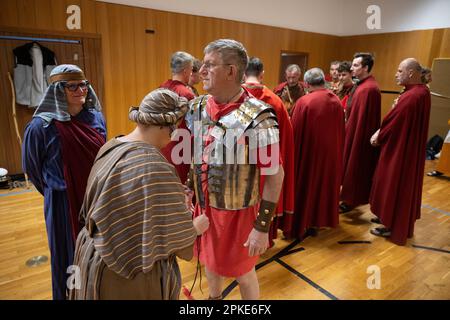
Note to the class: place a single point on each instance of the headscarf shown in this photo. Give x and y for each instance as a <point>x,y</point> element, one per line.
<point>161,107</point>
<point>54,102</point>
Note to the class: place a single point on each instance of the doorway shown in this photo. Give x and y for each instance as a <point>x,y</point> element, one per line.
<point>292,57</point>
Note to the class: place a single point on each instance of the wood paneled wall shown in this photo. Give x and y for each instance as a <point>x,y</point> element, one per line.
<point>391,48</point>
<point>135,62</point>
<point>46,14</point>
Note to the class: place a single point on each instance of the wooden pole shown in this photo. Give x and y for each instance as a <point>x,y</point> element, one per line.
<point>16,126</point>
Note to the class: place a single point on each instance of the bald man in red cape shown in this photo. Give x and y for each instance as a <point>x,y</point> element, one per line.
<point>253,83</point>
<point>397,187</point>
<point>181,65</point>
<point>363,116</point>
<point>319,130</point>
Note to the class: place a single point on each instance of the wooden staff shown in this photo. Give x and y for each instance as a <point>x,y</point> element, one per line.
<point>15,121</point>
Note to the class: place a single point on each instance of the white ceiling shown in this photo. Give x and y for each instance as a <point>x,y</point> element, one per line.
<point>335,17</point>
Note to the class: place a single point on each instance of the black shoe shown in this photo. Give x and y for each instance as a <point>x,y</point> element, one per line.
<point>313,232</point>
<point>381,232</point>
<point>343,208</point>
<point>375,220</point>
<point>434,173</point>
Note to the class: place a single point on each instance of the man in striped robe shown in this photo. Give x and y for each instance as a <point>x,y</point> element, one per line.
<point>135,213</point>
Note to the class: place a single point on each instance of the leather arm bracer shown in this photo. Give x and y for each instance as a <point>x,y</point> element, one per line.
<point>265,216</point>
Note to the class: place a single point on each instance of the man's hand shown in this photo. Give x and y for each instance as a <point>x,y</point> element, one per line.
<point>201,224</point>
<point>257,242</point>
<point>374,139</point>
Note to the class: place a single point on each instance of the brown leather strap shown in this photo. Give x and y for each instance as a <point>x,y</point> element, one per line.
<point>265,216</point>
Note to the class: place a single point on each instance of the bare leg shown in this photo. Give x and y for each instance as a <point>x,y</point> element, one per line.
<point>248,285</point>
<point>214,283</point>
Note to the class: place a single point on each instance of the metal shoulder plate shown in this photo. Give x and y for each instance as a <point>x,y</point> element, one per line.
<point>197,111</point>
<point>249,115</point>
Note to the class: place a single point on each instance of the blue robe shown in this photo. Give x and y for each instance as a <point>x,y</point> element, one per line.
<point>42,161</point>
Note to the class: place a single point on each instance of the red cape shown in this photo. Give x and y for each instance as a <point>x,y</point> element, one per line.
<point>319,130</point>
<point>360,158</point>
<point>179,88</point>
<point>397,187</point>
<point>286,200</point>
<point>182,90</point>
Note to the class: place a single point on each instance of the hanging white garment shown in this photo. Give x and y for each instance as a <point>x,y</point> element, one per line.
<point>38,82</point>
<point>31,73</point>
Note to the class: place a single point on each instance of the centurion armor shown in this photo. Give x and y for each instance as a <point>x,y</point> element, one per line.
<point>230,161</point>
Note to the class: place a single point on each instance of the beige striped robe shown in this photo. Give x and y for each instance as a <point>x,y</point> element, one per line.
<point>136,223</point>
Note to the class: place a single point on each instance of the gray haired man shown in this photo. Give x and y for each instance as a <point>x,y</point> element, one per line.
<point>228,192</point>
<point>291,90</point>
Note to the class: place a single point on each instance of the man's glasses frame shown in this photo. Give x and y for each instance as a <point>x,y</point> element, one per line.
<point>207,66</point>
<point>74,86</point>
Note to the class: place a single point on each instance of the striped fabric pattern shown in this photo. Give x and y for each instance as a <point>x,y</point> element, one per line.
<point>135,208</point>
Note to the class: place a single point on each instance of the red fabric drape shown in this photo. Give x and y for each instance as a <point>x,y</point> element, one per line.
<point>319,130</point>
<point>397,187</point>
<point>79,146</point>
<point>360,158</point>
<point>286,200</point>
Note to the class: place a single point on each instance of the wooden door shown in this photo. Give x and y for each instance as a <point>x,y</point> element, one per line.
<point>290,57</point>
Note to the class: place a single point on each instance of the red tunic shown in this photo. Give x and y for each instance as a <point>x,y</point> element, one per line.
<point>360,158</point>
<point>319,130</point>
<point>286,200</point>
<point>222,245</point>
<point>397,187</point>
<point>182,90</point>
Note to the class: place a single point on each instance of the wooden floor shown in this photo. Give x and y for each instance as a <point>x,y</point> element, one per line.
<point>318,268</point>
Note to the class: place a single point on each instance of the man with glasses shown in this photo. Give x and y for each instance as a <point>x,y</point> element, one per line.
<point>227,190</point>
<point>59,148</point>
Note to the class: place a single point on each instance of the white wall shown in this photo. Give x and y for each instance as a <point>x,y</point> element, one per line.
<point>396,15</point>
<point>335,17</point>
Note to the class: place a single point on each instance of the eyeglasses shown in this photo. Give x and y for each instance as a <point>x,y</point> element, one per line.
<point>74,86</point>
<point>208,65</point>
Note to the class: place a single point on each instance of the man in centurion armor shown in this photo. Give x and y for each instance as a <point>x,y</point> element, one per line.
<point>235,142</point>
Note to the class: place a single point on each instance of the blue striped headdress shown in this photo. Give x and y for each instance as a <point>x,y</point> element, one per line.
<point>54,103</point>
